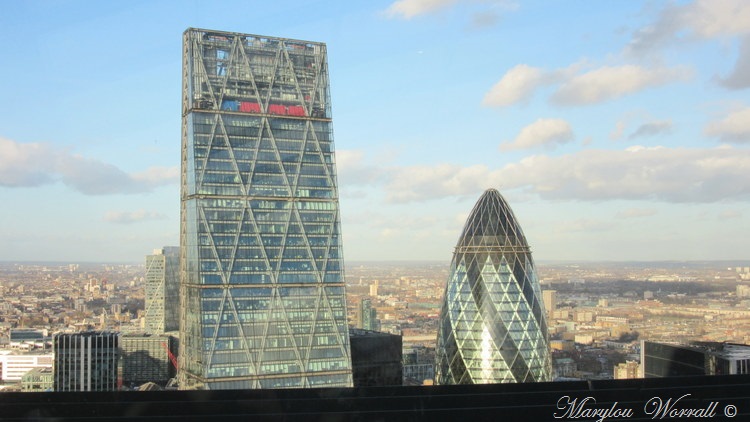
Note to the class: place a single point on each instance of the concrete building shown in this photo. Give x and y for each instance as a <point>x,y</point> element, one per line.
<point>627,370</point>
<point>38,379</point>
<point>14,364</point>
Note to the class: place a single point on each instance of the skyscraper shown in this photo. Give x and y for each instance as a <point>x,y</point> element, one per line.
<point>366,315</point>
<point>262,276</point>
<point>492,326</point>
<point>162,290</point>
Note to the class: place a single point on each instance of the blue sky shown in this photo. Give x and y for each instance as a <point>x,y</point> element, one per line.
<point>616,130</point>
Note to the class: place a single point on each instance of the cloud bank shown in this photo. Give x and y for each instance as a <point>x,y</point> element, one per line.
<point>734,128</point>
<point>576,87</point>
<point>37,164</point>
<point>543,132</point>
<point>676,175</point>
<point>408,9</point>
<point>129,217</point>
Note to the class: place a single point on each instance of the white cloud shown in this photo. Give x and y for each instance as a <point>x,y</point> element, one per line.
<point>740,76</point>
<point>662,174</point>
<point>636,213</point>
<point>701,19</point>
<point>618,130</point>
<point>517,85</point>
<point>484,19</point>
<point>486,15</point>
<point>408,9</point>
<point>715,18</point>
<point>610,82</point>
<point>543,132</point>
<point>352,169</point>
<point>129,217</point>
<point>416,183</point>
<point>24,165</point>
<point>653,128</point>
<point>605,83</point>
<point>730,214</point>
<point>583,225</point>
<point>36,164</point>
<point>733,128</point>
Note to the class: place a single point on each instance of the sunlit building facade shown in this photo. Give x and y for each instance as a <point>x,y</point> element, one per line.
<point>162,290</point>
<point>262,268</point>
<point>492,326</point>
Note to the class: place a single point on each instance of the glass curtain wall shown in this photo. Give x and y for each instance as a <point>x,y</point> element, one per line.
<point>492,326</point>
<point>263,286</point>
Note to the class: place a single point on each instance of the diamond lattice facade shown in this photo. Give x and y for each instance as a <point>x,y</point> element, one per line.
<point>492,326</point>
<point>262,285</point>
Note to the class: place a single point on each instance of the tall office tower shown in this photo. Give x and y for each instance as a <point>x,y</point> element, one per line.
<point>86,361</point>
<point>366,315</point>
<point>162,290</point>
<point>263,294</point>
<point>492,326</point>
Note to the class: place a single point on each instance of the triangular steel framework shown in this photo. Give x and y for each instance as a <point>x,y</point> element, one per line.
<point>492,326</point>
<point>262,265</point>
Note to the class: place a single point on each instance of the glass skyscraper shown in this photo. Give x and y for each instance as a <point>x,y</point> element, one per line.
<point>263,300</point>
<point>492,326</point>
<point>162,287</point>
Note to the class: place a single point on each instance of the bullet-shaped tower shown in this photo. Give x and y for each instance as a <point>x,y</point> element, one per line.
<point>492,325</point>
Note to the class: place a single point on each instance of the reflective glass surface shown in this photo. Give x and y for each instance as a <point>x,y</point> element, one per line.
<point>263,285</point>
<point>492,325</point>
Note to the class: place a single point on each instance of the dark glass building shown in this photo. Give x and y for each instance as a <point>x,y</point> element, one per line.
<point>696,358</point>
<point>86,361</point>
<point>492,326</point>
<point>262,269</point>
<point>376,358</point>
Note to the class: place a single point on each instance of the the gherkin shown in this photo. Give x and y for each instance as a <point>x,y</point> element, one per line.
<point>492,325</point>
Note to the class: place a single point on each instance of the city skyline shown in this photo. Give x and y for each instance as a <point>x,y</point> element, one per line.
<point>622,138</point>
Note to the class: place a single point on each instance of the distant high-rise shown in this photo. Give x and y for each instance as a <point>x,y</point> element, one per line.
<point>86,361</point>
<point>549,297</point>
<point>492,326</point>
<point>262,287</point>
<point>162,290</point>
<point>366,315</point>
